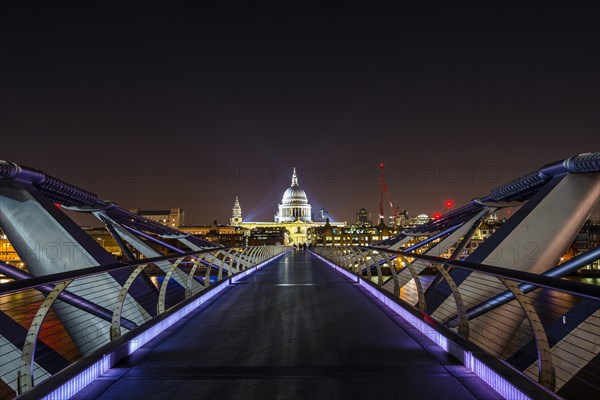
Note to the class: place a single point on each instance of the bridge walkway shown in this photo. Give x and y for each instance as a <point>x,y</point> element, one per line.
<point>295,329</point>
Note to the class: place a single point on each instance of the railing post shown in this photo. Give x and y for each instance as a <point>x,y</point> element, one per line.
<point>115,326</point>
<point>463,321</point>
<point>25,374</point>
<point>252,255</point>
<point>395,280</point>
<point>160,306</point>
<point>546,371</point>
<point>188,287</point>
<point>418,284</point>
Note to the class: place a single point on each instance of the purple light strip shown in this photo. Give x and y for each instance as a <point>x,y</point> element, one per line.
<point>69,388</point>
<point>496,382</point>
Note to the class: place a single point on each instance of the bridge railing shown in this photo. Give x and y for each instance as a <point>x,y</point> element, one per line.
<point>546,328</point>
<point>51,322</point>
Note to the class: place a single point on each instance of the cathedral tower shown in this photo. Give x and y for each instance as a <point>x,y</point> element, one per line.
<point>236,213</point>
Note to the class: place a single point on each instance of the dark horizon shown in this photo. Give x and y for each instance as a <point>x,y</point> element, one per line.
<point>188,105</point>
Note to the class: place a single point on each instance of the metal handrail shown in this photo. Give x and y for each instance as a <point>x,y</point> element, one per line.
<point>580,289</point>
<point>493,370</point>
<point>87,333</point>
<point>32,283</point>
<point>545,331</point>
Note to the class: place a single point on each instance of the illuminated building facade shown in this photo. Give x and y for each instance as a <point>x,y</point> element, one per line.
<point>7,251</point>
<point>418,220</point>
<point>293,215</point>
<point>354,235</point>
<point>175,217</point>
<point>362,217</point>
<point>267,236</point>
<point>587,239</point>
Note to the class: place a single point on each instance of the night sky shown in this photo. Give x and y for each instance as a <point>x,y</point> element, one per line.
<point>166,104</point>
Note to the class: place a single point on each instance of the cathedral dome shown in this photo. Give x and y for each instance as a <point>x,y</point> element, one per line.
<point>294,204</point>
<point>294,195</point>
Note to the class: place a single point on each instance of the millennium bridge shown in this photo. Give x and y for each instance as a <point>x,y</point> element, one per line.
<point>276,322</point>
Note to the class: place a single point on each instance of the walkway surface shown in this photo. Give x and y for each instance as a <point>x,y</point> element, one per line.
<point>295,329</point>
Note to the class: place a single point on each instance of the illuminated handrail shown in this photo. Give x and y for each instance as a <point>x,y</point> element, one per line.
<point>81,333</point>
<point>576,288</point>
<point>34,282</point>
<point>562,317</point>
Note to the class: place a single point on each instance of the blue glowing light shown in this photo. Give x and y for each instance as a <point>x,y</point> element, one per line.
<point>488,375</point>
<point>69,388</point>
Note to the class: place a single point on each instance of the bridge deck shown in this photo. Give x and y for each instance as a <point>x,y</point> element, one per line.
<point>294,329</point>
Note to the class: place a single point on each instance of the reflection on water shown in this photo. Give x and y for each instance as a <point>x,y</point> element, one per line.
<point>582,279</point>
<point>157,280</point>
<point>22,307</point>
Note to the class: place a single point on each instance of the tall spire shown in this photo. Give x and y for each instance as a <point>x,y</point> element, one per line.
<point>294,178</point>
<point>236,213</point>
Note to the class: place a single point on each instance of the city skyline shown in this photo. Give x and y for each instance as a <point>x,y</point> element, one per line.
<point>266,207</point>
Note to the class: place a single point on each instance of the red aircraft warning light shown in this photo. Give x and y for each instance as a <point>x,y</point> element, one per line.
<point>449,204</point>
<point>437,216</point>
